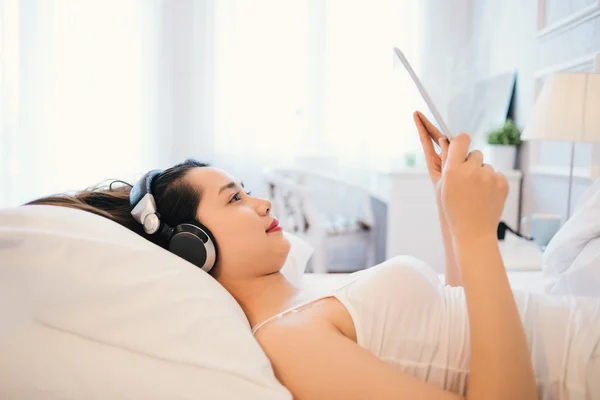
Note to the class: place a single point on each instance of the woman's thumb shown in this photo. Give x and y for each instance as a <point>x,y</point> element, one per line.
<point>443,142</point>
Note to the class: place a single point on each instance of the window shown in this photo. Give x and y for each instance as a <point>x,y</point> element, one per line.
<point>315,78</point>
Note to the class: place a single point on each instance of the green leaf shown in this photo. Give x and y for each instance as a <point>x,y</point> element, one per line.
<point>508,134</point>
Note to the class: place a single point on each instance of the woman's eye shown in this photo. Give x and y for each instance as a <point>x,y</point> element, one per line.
<point>236,197</point>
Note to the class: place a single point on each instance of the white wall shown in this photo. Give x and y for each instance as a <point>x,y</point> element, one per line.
<point>465,40</point>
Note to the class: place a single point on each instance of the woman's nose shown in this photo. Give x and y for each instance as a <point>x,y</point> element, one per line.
<point>264,207</point>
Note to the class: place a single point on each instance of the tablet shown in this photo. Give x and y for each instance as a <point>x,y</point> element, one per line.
<point>436,115</point>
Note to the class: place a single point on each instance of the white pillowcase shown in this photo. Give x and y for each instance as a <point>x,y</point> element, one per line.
<point>295,265</point>
<point>572,258</point>
<point>92,310</point>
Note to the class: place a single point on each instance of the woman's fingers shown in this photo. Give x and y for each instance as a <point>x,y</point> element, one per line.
<point>433,131</point>
<point>502,183</point>
<point>489,167</point>
<point>458,150</point>
<point>424,136</point>
<point>476,158</point>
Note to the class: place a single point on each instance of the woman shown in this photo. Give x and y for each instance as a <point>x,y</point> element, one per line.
<point>394,332</point>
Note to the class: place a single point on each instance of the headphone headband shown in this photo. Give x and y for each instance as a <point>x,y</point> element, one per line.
<point>142,187</point>
<point>142,202</point>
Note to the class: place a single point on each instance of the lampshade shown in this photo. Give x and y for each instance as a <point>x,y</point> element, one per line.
<point>567,109</point>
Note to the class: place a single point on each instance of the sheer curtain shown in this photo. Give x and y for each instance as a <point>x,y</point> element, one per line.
<point>262,85</point>
<point>314,78</point>
<point>9,98</point>
<point>99,89</point>
<point>368,100</point>
<point>73,103</point>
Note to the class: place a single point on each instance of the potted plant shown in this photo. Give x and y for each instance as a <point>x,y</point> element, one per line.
<point>502,145</point>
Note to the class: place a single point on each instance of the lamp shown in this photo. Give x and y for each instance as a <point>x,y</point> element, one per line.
<point>567,109</point>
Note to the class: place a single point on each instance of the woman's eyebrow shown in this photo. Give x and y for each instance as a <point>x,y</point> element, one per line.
<point>230,185</point>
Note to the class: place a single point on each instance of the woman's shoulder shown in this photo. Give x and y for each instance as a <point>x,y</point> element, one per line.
<point>324,314</point>
<point>296,326</point>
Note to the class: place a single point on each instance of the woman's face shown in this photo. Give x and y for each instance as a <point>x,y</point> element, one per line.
<point>240,224</point>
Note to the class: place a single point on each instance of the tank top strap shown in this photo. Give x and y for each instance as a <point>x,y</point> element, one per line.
<point>289,310</point>
<point>331,292</point>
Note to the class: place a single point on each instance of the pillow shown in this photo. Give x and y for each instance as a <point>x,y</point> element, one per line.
<point>582,278</point>
<point>570,257</point>
<point>591,190</point>
<point>295,265</point>
<point>89,309</point>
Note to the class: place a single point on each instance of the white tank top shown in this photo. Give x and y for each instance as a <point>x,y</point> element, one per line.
<point>404,315</point>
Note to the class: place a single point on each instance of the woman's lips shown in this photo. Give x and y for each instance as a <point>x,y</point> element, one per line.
<point>274,227</point>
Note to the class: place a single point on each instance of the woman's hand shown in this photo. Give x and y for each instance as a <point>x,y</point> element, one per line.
<point>428,133</point>
<point>472,193</point>
<point>435,164</point>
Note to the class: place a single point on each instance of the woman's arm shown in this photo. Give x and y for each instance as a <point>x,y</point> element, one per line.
<point>473,197</point>
<point>319,362</point>
<point>500,361</point>
<point>452,274</point>
<point>435,162</point>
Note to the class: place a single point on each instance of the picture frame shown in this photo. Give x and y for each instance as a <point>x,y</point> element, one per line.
<point>568,22</point>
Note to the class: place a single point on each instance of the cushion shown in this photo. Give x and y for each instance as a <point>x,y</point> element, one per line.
<point>92,310</point>
<point>582,278</point>
<point>571,258</point>
<point>295,265</point>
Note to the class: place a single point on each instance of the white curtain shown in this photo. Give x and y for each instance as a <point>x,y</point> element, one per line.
<point>9,99</point>
<point>99,89</point>
<point>366,110</point>
<point>315,78</point>
<point>77,114</point>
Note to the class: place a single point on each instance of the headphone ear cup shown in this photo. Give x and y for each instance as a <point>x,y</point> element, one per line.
<point>151,224</point>
<point>194,243</point>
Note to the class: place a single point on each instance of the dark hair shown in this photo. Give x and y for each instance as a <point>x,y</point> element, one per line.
<point>176,200</point>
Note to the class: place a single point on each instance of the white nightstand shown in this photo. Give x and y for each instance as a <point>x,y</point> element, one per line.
<point>523,262</point>
<point>412,220</point>
<point>520,254</point>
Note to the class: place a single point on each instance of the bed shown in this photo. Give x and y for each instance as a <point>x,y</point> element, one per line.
<point>91,310</point>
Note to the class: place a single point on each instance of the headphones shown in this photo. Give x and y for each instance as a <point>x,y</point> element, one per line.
<point>191,241</point>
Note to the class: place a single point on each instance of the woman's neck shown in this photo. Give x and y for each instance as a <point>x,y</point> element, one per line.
<point>265,296</point>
